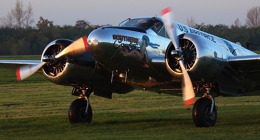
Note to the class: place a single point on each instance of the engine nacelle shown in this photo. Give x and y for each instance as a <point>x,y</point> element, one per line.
<point>67,71</point>
<point>200,58</point>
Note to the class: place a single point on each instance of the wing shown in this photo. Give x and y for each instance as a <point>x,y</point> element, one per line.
<point>245,64</point>
<point>17,63</point>
<point>249,68</point>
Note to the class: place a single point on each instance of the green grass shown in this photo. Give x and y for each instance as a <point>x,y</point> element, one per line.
<point>258,52</point>
<point>37,109</point>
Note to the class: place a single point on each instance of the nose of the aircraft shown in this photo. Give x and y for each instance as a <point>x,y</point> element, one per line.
<point>100,44</point>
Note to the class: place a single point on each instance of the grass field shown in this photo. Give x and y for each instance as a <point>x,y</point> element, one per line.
<point>37,109</point>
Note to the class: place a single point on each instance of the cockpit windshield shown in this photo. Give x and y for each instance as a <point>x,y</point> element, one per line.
<point>144,23</point>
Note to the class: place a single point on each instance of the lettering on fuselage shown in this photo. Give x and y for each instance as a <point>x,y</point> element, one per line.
<point>122,41</point>
<point>121,38</point>
<point>134,47</point>
<point>197,32</point>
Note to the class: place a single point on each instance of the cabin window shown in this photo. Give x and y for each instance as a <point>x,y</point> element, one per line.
<point>230,47</point>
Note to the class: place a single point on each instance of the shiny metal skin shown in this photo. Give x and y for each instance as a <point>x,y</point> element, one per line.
<point>118,50</point>
<point>133,50</point>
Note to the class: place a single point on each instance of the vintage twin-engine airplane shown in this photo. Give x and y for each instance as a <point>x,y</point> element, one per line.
<point>153,53</point>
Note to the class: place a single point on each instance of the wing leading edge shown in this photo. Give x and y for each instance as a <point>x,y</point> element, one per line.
<point>17,63</point>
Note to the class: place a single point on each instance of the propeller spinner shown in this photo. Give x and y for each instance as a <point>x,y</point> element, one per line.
<point>170,26</point>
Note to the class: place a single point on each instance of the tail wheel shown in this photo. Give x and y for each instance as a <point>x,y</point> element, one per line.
<point>77,111</point>
<point>201,114</point>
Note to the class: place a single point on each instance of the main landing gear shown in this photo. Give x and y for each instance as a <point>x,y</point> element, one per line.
<point>80,109</point>
<point>204,111</point>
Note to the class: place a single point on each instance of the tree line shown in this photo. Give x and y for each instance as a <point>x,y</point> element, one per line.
<point>24,41</point>
<point>19,37</point>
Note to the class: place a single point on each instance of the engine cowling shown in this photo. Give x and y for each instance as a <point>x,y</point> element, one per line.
<point>189,51</point>
<point>203,58</point>
<point>67,71</point>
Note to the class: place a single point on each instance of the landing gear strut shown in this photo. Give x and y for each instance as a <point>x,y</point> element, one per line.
<point>204,111</point>
<point>80,109</point>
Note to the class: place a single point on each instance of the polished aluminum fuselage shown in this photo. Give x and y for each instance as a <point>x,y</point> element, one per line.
<point>109,47</point>
<point>114,44</point>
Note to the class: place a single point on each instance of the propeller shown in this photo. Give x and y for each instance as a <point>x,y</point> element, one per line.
<point>77,47</point>
<point>27,70</point>
<point>74,48</point>
<point>170,26</point>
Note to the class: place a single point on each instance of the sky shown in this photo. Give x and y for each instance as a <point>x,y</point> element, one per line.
<point>102,12</point>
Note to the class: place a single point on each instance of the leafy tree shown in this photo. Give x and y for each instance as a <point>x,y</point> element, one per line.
<point>44,23</point>
<point>82,24</point>
<point>24,41</point>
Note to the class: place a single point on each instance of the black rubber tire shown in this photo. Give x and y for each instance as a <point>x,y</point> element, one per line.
<point>77,113</point>
<point>201,113</point>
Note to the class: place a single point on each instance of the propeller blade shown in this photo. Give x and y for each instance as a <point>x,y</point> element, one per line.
<point>78,46</point>
<point>187,87</point>
<point>170,27</point>
<point>27,70</point>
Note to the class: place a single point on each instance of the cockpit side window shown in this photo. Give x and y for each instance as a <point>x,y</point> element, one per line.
<point>159,29</point>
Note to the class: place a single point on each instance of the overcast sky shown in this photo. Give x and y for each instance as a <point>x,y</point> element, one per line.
<point>101,12</point>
